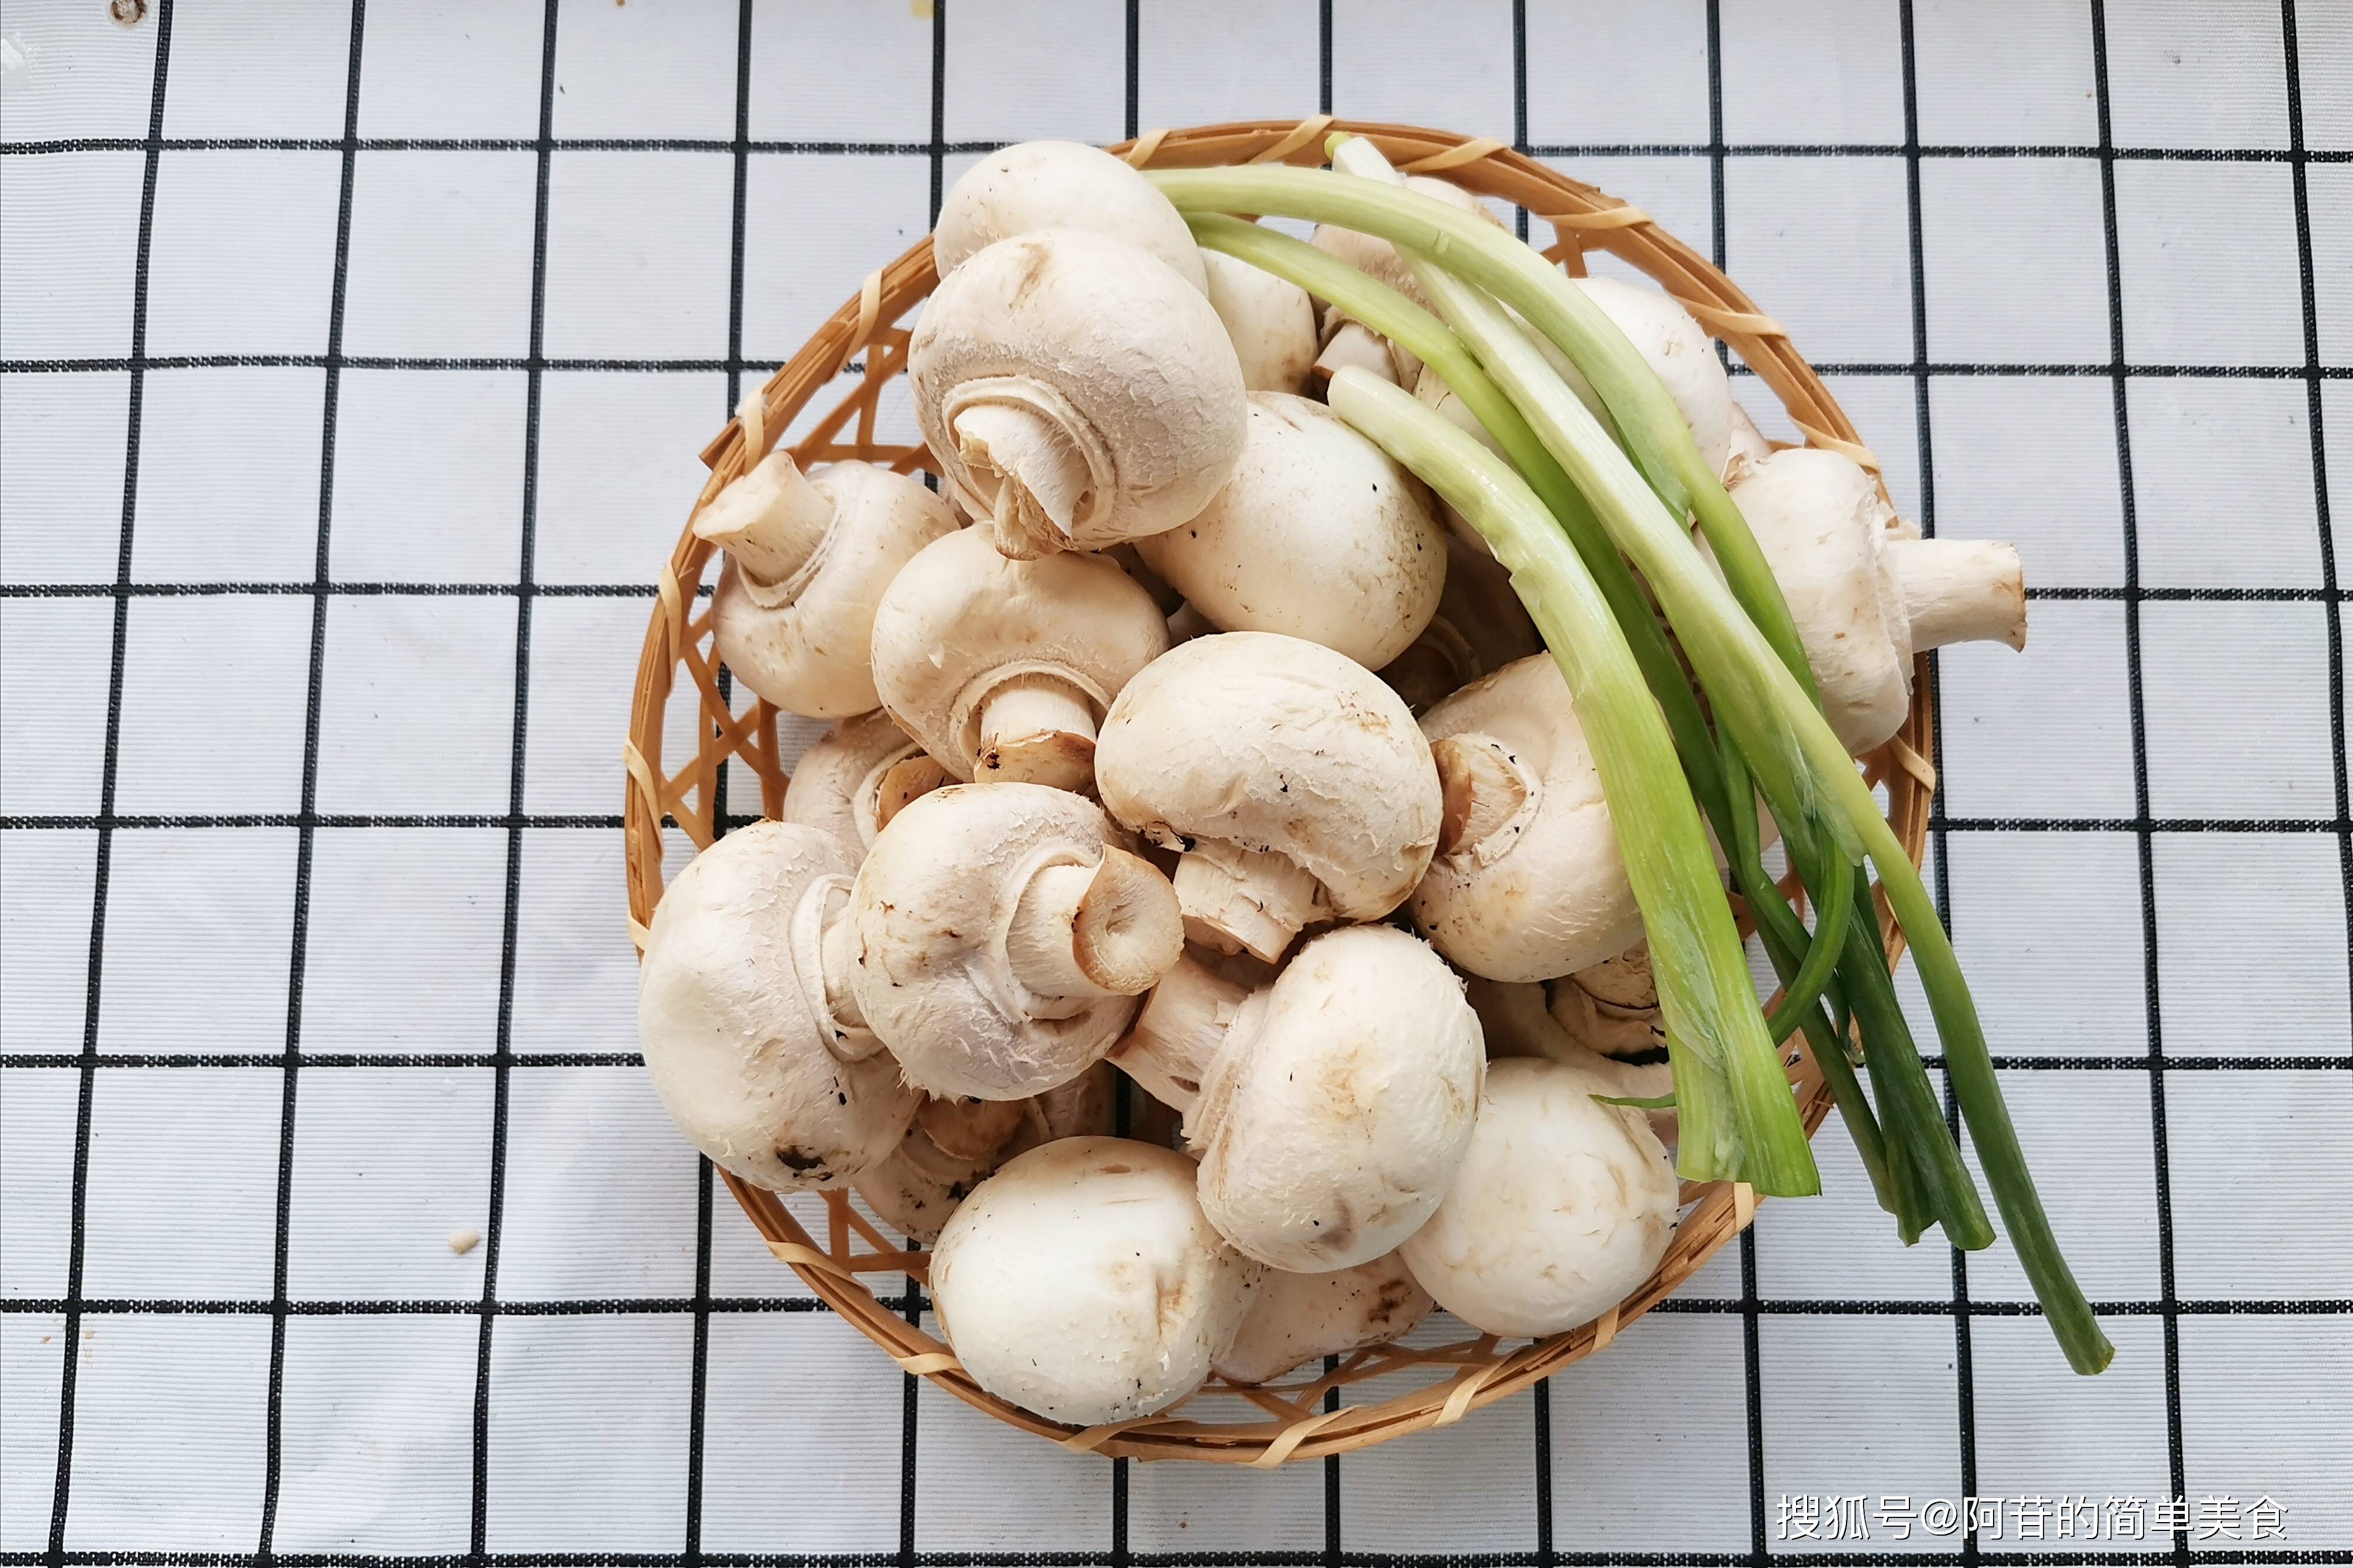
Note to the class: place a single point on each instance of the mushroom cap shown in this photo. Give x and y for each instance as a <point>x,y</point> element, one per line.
<point>833,785</point>
<point>731,1017</point>
<point>1080,1282</point>
<point>933,901</point>
<point>1119,355</point>
<point>1270,321</point>
<point>1033,185</point>
<point>1561,1207</point>
<point>1332,1118</point>
<point>1276,744</point>
<point>1677,346</point>
<point>960,619</point>
<point>803,645</point>
<point>1824,527</point>
<point>1298,1318</point>
<point>1319,534</point>
<point>921,1184</point>
<point>1545,891</point>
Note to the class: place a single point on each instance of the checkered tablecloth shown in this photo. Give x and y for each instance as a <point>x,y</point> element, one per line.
<point>356,362</point>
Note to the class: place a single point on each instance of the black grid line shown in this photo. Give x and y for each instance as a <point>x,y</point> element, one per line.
<point>501,1095</point>
<point>89,365</point>
<point>1540,1404</point>
<point>62,1496</point>
<point>699,1370</point>
<point>1132,71</point>
<point>609,1306</point>
<point>2314,1062</point>
<point>1334,1521</point>
<point>273,1420</point>
<point>1214,1559</point>
<point>1923,425</point>
<point>910,1388</point>
<point>1752,1349</point>
<point>1750,1307</point>
<point>2137,709</point>
<point>2300,194</point>
<point>1711,149</point>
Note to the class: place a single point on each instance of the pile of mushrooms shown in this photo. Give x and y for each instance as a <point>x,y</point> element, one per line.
<point>1064,849</point>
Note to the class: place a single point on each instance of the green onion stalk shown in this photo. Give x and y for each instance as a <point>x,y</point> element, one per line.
<point>1386,311</point>
<point>1746,654</point>
<point>1732,1106</point>
<point>1936,1176</point>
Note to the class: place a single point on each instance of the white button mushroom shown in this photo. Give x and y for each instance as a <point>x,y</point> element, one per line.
<point>855,777</point>
<point>764,1066</point>
<point>1270,321</point>
<point>807,559</point>
<point>1481,626</point>
<point>1002,667</point>
<point>1561,1208</point>
<point>1033,185</point>
<point>1319,534</point>
<point>1611,1008</point>
<point>1518,1022</point>
<point>1298,1318</point>
<point>1075,391</point>
<point>1081,1282</point>
<point>1675,346</point>
<point>1002,936</point>
<point>1745,447</point>
<point>1329,1107</point>
<point>1294,783</point>
<point>1528,881</point>
<point>1865,597</point>
<point>954,1144</point>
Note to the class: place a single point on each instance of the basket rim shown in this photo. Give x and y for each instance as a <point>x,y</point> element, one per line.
<point>1583,218</point>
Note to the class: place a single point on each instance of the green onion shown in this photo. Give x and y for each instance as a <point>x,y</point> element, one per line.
<point>1390,313</point>
<point>1739,638</point>
<point>1716,1039</point>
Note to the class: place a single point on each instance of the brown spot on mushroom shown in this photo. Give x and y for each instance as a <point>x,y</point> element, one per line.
<point>1388,1301</point>
<point>793,1157</point>
<point>1036,258</point>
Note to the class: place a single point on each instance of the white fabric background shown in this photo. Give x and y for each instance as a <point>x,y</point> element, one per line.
<point>2166,760</point>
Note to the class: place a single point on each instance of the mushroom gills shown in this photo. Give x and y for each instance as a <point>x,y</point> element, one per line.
<point>1245,900</point>
<point>1037,729</point>
<point>1034,476</point>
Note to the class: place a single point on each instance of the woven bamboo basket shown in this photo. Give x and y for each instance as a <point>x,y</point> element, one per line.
<point>837,1250</point>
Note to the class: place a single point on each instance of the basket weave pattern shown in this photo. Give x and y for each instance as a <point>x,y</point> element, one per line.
<point>1264,1426</point>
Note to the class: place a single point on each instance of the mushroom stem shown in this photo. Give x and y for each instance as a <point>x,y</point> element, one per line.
<point>1034,475</point>
<point>1184,1023</point>
<point>839,955</point>
<point>1482,788</point>
<point>1238,899</point>
<point>771,520</point>
<point>902,782</point>
<point>1960,590</point>
<point>1439,663</point>
<point>1106,929</point>
<point>1355,343</point>
<point>970,1129</point>
<point>1037,729</point>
